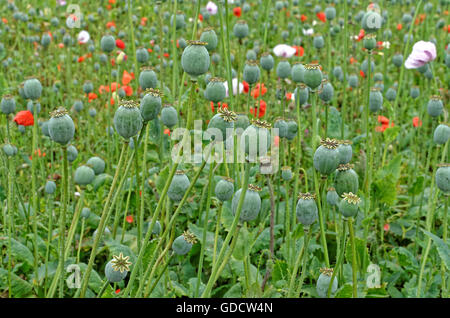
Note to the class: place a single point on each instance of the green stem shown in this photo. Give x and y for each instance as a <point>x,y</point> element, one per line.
<point>298,261</point>
<point>354,264</point>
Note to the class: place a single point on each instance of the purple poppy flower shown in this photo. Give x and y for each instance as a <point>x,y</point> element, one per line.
<point>422,53</point>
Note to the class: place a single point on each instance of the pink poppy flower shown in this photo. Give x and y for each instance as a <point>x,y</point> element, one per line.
<point>83,37</point>
<point>284,50</point>
<point>422,53</point>
<point>211,7</point>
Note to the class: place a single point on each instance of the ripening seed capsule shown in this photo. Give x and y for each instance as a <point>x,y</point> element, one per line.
<point>78,106</point>
<point>8,104</point>
<point>61,127</point>
<point>215,58</point>
<point>210,37</point>
<point>50,187</point>
<point>338,73</point>
<point>306,209</point>
<point>330,13</point>
<point>178,186</point>
<point>9,150</point>
<point>92,112</point>
<point>85,213</point>
<point>349,205</point>
<point>313,76</point>
<point>195,59</point>
<point>97,164</point>
<point>255,140</point>
<point>282,126</point>
<point>332,197</point>
<point>397,59</point>
<point>318,42</point>
<point>215,90</point>
<point>353,81</point>
<point>283,69</point>
<point>292,129</point>
<point>346,179</point>
<point>345,151</point>
<point>301,94</point>
<point>147,78</point>
<point>369,42</point>
<point>240,29</point>
<point>326,157</point>
<point>371,21</point>
<point>327,92</point>
<point>151,105</point>
<point>251,55</point>
<point>324,280</point>
<point>375,100</point>
<point>391,94</point>
<point>32,88</point>
<point>169,116</point>
<point>286,173</point>
<point>224,189</point>
<point>435,107</point>
<point>88,87</point>
<point>84,175</point>
<point>107,43</point>
<point>180,22</point>
<point>441,134</point>
<point>251,205</point>
<point>298,73</point>
<point>72,153</point>
<point>127,119</point>
<point>223,120</point>
<point>183,243</point>
<point>142,55</point>
<point>267,62</point>
<point>156,228</point>
<point>365,66</point>
<point>414,92</point>
<point>241,123</point>
<point>443,177</point>
<point>251,72</point>
<point>112,275</point>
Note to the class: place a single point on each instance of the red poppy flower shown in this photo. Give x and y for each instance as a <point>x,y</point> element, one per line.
<point>92,96</point>
<point>385,123</point>
<point>322,17</point>
<point>353,60</point>
<point>261,109</point>
<point>144,21</point>
<point>303,18</point>
<point>200,17</point>
<point>167,131</point>
<point>361,35</point>
<point>246,87</point>
<point>288,96</point>
<point>114,86</point>
<point>299,50</point>
<point>120,44</point>
<point>129,219</point>
<point>276,141</point>
<point>362,74</point>
<point>257,90</point>
<point>117,290</point>
<point>24,118</point>
<point>416,122</point>
<point>128,90</point>
<point>399,27</point>
<point>110,24</point>
<point>237,11</point>
<point>126,78</point>
<point>386,227</point>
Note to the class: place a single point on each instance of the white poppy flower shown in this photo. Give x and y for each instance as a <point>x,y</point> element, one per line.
<point>83,36</point>
<point>284,50</point>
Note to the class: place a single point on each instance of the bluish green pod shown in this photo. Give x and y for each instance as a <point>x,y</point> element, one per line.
<point>332,197</point>
<point>8,104</point>
<point>215,90</point>
<point>84,175</point>
<point>267,62</point>
<point>251,72</point>
<point>183,243</point>
<point>61,127</point>
<point>301,94</point>
<point>32,88</point>
<point>107,43</point>
<point>327,91</point>
<point>127,119</point>
<point>240,29</point>
<point>178,186</point>
<point>282,126</point>
<point>210,37</point>
<point>346,180</point>
<point>306,209</point>
<point>223,121</point>
<point>441,134</point>
<point>97,164</point>
<point>251,205</point>
<point>169,116</point>
<point>112,275</point>
<point>313,76</point>
<point>349,205</point>
<point>72,153</point>
<point>326,157</point>
<point>298,73</point>
<point>147,78</point>
<point>195,59</point>
<point>283,69</point>
<point>151,105</point>
<point>375,100</point>
<point>443,177</point>
<point>435,107</point>
<point>224,189</point>
<point>50,187</point>
<point>323,283</point>
<point>255,140</point>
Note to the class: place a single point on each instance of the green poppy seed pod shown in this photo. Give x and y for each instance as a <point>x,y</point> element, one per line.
<point>8,104</point>
<point>349,205</point>
<point>182,43</point>
<point>353,81</point>
<point>397,59</point>
<point>370,42</point>
<point>178,186</point>
<point>32,88</point>
<point>365,66</point>
<point>97,164</point>
<point>44,129</point>
<point>78,106</point>
<point>251,55</point>
<point>142,55</point>
<point>407,18</point>
<point>210,37</point>
<point>326,157</point>
<point>327,91</point>
<point>72,153</point>
<point>45,40</point>
<point>251,72</point>
<point>112,275</point>
<point>92,112</point>
<point>215,58</point>
<point>298,73</point>
<point>255,140</point>
<point>128,120</point>
<point>215,90</point>
<point>313,76</point>
<point>224,189</point>
<point>306,209</point>
<point>21,128</point>
<point>286,173</point>
<point>85,213</point>
<point>240,29</point>
<point>147,78</point>
<point>301,94</point>
<point>107,43</point>
<point>251,205</point>
<point>318,42</point>
<point>223,120</point>
<point>447,60</point>
<point>282,126</point>
<point>332,197</point>
<point>61,127</point>
<point>441,134</point>
<point>267,62</point>
<point>345,151</point>
<point>375,100</point>
<point>84,175</point>
<point>151,104</point>
<point>88,87</point>
<point>241,123</point>
<point>156,228</point>
<point>180,22</point>
<point>324,280</point>
<point>443,177</point>
<point>435,107</point>
<point>292,129</point>
<point>414,92</point>
<point>195,59</point>
<point>391,94</point>
<point>283,69</point>
<point>9,150</point>
<point>330,13</point>
<point>183,243</point>
<point>279,5</point>
<point>346,179</point>
<point>371,21</point>
<point>50,187</point>
<point>338,73</point>
<point>169,116</point>
<point>387,34</point>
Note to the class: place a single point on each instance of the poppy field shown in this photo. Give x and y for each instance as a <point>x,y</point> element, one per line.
<point>226,148</point>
